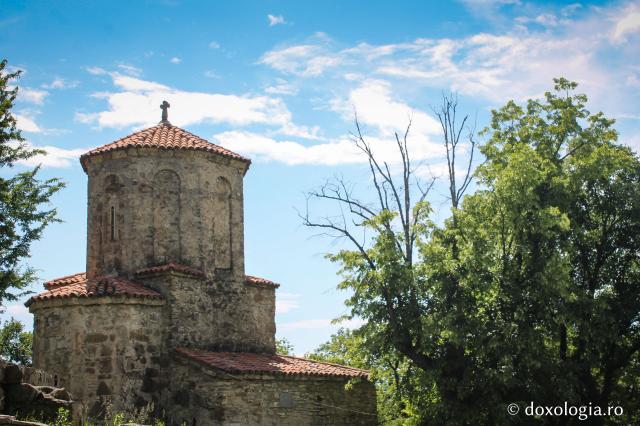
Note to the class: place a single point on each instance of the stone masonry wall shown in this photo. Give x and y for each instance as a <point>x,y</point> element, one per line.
<point>201,396</point>
<point>212,314</point>
<point>148,207</point>
<point>102,349</point>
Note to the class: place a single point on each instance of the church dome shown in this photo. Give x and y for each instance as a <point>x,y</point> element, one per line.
<point>163,136</point>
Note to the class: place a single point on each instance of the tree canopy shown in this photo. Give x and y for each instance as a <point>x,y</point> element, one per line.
<point>529,292</point>
<point>15,343</point>
<point>24,198</point>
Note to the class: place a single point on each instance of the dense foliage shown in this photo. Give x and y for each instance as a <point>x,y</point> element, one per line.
<point>23,197</point>
<point>15,343</point>
<point>529,292</point>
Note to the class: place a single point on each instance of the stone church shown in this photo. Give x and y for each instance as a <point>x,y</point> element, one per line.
<point>165,315</point>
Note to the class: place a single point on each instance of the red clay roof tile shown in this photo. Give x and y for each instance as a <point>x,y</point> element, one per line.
<point>78,286</point>
<point>249,279</point>
<point>244,362</point>
<point>69,279</point>
<point>163,136</point>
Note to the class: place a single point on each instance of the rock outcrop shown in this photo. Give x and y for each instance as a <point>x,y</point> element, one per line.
<point>27,391</point>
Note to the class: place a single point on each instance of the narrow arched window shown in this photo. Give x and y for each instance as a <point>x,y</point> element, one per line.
<point>113,196</point>
<point>112,221</point>
<point>222,224</point>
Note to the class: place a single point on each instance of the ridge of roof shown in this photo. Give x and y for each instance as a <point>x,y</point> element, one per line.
<point>162,136</point>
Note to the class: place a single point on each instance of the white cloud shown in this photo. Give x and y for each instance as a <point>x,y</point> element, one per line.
<point>27,123</point>
<point>130,69</point>
<point>275,20</point>
<point>96,70</point>
<point>175,60</point>
<point>317,324</point>
<point>282,87</point>
<point>341,151</point>
<point>303,60</point>
<point>60,83</point>
<point>292,153</point>
<point>287,302</point>
<point>214,45</point>
<point>374,104</point>
<point>136,103</point>
<point>627,23</point>
<point>516,64</point>
<point>54,157</point>
<point>33,96</point>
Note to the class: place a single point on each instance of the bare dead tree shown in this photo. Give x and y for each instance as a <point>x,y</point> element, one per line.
<point>392,195</point>
<point>396,206</point>
<point>452,131</point>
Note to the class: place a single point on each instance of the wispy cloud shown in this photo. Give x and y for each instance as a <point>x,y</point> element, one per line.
<point>96,70</point>
<point>175,60</point>
<point>275,20</point>
<point>282,87</point>
<point>305,60</point>
<point>60,83</point>
<point>54,157</point>
<point>130,69</point>
<point>287,302</point>
<point>33,96</point>
<point>626,24</point>
<point>265,148</point>
<point>214,45</point>
<point>26,123</point>
<point>598,48</point>
<point>341,151</point>
<point>135,103</point>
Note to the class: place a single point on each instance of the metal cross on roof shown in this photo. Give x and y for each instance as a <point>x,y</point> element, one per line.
<point>165,114</point>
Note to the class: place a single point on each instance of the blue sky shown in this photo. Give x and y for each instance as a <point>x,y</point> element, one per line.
<point>278,81</point>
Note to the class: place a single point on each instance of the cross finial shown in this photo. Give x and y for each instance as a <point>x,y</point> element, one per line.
<point>165,115</point>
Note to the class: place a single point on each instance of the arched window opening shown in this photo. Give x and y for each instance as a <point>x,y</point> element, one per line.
<point>112,223</point>
<point>222,224</point>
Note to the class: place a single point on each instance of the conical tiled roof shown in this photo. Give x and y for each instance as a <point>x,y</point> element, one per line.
<point>163,136</point>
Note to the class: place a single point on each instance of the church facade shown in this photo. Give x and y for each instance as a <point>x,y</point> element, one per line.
<point>164,315</point>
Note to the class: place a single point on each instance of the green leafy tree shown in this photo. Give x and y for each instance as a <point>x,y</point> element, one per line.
<point>23,197</point>
<point>284,347</point>
<point>15,343</point>
<point>530,291</point>
<point>396,385</point>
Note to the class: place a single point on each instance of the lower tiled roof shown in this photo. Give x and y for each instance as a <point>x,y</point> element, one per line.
<point>249,279</point>
<point>78,286</point>
<point>245,362</point>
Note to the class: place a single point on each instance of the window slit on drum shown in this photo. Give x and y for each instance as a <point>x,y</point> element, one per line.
<point>222,224</point>
<point>113,223</point>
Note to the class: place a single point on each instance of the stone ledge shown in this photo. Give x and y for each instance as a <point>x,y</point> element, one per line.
<point>89,301</point>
